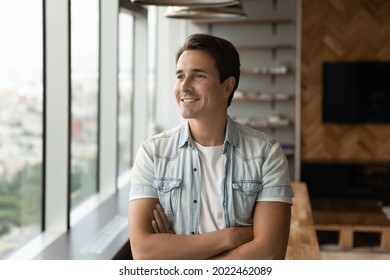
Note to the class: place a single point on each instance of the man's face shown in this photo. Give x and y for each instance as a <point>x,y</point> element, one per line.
<point>198,90</point>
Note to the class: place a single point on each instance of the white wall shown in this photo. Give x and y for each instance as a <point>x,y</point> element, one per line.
<point>171,35</point>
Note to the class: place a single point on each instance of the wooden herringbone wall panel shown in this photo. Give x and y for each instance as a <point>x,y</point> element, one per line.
<point>345,30</point>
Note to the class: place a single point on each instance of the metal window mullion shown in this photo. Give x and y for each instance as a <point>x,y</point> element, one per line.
<point>140,117</point>
<point>108,110</point>
<point>57,131</point>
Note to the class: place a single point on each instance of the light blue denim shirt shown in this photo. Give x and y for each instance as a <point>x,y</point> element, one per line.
<point>167,167</point>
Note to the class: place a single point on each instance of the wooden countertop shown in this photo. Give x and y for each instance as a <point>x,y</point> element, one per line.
<point>303,243</point>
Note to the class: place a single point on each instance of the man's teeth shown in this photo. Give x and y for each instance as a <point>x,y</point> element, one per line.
<point>188,99</point>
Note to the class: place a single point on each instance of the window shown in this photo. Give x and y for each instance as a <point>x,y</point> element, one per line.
<point>84,98</point>
<point>54,81</point>
<point>21,122</point>
<point>125,90</point>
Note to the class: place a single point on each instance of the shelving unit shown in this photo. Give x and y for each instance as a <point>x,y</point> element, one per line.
<point>245,21</point>
<point>264,98</point>
<point>267,97</point>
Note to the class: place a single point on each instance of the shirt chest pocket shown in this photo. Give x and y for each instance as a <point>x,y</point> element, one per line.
<point>168,194</point>
<point>244,196</point>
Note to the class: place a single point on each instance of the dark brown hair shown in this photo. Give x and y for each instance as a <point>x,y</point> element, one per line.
<point>224,53</point>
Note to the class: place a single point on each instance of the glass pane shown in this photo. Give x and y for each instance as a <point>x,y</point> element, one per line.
<point>84,103</point>
<point>125,82</point>
<point>21,122</point>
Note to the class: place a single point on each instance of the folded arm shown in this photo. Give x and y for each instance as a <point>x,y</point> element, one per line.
<point>271,228</point>
<point>146,244</point>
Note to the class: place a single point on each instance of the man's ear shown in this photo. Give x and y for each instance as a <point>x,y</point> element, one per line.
<point>229,85</point>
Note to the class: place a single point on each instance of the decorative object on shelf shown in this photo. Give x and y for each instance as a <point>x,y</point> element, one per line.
<point>259,122</point>
<point>282,96</point>
<point>278,120</point>
<point>252,94</point>
<point>282,69</point>
<point>226,12</point>
<point>260,70</point>
<point>192,3</point>
<point>261,96</point>
<point>239,94</point>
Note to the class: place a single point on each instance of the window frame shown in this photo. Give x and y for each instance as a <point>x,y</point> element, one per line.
<point>39,225</point>
<point>58,220</point>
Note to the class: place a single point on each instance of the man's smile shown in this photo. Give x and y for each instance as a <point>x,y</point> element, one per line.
<point>189,100</point>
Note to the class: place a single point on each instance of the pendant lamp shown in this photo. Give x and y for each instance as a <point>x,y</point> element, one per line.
<point>228,12</point>
<point>189,3</point>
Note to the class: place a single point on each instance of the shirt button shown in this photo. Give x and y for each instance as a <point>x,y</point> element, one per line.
<point>195,169</point>
<point>192,232</point>
<point>195,201</point>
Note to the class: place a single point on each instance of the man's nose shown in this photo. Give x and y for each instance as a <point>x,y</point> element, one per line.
<point>186,85</point>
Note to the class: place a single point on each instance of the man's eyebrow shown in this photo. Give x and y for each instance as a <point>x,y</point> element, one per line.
<point>199,70</point>
<point>195,70</point>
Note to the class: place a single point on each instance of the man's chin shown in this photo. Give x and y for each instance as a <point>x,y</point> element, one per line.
<point>188,115</point>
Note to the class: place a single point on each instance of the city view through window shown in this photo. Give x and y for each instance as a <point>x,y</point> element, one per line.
<point>84,98</point>
<point>125,90</point>
<point>21,122</point>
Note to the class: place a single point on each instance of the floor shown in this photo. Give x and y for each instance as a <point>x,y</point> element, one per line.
<point>355,254</point>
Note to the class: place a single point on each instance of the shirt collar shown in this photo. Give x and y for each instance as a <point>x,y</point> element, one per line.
<point>185,136</point>
<point>231,136</point>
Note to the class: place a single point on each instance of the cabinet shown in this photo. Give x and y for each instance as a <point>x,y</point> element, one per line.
<point>268,95</point>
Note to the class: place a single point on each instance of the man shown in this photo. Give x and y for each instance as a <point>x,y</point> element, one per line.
<point>210,188</point>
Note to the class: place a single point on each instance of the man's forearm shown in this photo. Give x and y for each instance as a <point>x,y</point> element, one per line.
<point>145,221</point>
<point>172,246</point>
<point>271,233</point>
<point>251,251</point>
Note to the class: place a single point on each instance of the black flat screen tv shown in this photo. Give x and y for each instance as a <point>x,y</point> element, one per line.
<point>356,92</point>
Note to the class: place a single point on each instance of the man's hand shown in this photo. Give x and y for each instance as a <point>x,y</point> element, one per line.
<point>160,223</point>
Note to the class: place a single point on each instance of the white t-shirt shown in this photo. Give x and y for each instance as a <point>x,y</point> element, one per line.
<point>211,216</point>
<point>211,209</point>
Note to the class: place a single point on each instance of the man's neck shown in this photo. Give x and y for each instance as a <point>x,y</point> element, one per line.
<point>208,133</point>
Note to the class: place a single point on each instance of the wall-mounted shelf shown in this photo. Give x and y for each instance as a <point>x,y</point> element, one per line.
<point>245,21</point>
<point>266,122</point>
<point>265,73</point>
<point>264,47</point>
<point>273,73</point>
<point>272,22</point>
<point>259,127</point>
<point>273,48</point>
<point>259,97</point>
<point>289,150</point>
